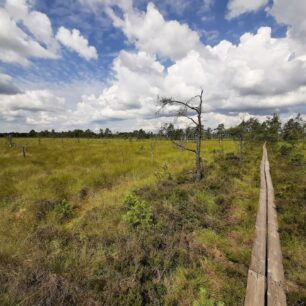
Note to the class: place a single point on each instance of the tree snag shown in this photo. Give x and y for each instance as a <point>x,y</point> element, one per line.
<point>190,109</point>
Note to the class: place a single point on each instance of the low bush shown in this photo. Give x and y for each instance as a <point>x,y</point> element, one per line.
<point>64,210</point>
<point>137,212</point>
<point>285,149</point>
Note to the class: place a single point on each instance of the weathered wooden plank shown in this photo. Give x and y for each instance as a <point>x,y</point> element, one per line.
<point>265,284</point>
<point>275,294</point>
<point>255,292</point>
<point>275,272</point>
<point>255,289</point>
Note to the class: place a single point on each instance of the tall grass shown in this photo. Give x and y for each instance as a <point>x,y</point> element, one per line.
<point>64,240</point>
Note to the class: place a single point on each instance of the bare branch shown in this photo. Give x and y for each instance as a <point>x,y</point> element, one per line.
<point>192,120</point>
<point>170,101</point>
<point>183,147</point>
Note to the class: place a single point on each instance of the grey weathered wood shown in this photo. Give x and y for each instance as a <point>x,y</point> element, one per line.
<point>275,273</point>
<point>255,292</point>
<point>265,285</point>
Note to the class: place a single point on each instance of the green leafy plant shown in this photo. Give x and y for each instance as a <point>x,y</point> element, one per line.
<point>205,300</point>
<point>64,210</point>
<point>138,213</point>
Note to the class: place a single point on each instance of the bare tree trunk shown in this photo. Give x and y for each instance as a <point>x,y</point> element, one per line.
<point>199,171</point>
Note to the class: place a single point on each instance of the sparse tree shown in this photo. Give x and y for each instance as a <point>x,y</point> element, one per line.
<point>32,133</point>
<point>108,132</point>
<point>189,109</point>
<point>294,129</point>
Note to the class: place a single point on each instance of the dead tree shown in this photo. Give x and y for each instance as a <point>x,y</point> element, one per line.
<point>10,141</point>
<point>190,109</point>
<point>24,152</point>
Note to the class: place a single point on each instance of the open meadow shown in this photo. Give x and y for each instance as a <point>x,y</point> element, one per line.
<point>68,236</point>
<point>122,222</point>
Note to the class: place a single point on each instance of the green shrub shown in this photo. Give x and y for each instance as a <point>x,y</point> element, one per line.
<point>285,149</point>
<point>231,156</point>
<point>297,159</point>
<point>64,210</point>
<point>138,213</point>
<point>205,300</point>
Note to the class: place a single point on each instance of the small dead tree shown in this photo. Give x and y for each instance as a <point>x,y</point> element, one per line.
<point>189,109</point>
<point>10,141</point>
<point>24,152</point>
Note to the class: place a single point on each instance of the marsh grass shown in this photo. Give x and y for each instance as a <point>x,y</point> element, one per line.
<point>289,178</point>
<point>65,241</point>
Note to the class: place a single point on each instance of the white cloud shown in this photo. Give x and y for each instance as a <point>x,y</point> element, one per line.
<point>239,7</point>
<point>292,14</point>
<point>27,33</point>
<point>233,81</point>
<point>151,33</point>
<point>75,41</point>
<point>36,22</point>
<point>138,81</point>
<point>6,85</point>
<point>257,76</point>
<point>16,46</point>
<point>39,107</point>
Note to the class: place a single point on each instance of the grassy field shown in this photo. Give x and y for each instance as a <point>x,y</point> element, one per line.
<point>121,222</point>
<point>288,171</point>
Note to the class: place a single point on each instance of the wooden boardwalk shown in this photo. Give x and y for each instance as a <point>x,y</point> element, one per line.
<point>265,284</point>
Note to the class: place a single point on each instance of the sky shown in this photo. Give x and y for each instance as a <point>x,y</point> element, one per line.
<point>67,64</point>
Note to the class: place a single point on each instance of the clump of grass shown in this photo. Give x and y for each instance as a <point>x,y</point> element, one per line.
<point>205,300</point>
<point>63,210</point>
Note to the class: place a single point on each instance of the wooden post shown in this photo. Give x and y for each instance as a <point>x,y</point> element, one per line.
<point>24,151</point>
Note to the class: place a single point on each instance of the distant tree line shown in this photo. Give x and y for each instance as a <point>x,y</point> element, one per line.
<point>270,130</point>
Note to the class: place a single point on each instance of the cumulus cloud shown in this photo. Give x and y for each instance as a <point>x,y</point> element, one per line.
<point>36,22</point>
<point>76,42</point>
<point>32,107</point>
<point>6,86</point>
<point>233,78</point>
<point>239,7</point>
<point>291,14</point>
<point>138,81</point>
<point>26,33</point>
<point>257,76</point>
<point>17,46</point>
<point>151,33</point>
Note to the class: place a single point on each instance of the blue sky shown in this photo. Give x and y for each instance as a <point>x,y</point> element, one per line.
<point>102,63</point>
